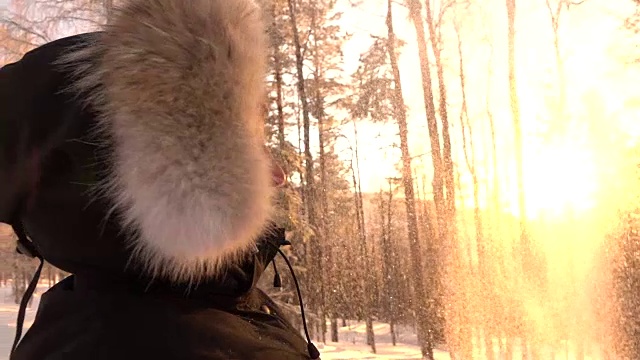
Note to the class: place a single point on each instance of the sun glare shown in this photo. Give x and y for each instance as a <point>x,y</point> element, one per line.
<point>560,180</point>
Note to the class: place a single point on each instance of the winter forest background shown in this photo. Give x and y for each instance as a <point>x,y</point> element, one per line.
<point>465,169</point>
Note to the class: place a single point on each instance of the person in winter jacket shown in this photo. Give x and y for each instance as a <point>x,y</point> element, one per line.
<point>133,158</point>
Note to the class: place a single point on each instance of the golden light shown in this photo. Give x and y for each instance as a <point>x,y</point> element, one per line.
<point>560,180</point>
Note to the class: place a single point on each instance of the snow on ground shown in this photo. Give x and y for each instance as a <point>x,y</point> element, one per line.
<point>9,313</point>
<point>352,343</point>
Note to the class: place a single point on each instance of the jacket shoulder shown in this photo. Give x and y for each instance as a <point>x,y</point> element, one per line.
<point>48,54</point>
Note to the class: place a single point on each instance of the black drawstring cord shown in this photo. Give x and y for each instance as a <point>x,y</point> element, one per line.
<point>23,305</point>
<point>25,247</point>
<point>313,350</point>
<point>277,280</point>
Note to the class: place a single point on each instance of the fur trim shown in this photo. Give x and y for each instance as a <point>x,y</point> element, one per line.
<point>178,85</point>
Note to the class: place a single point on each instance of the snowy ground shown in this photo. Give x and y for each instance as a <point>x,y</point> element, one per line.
<point>351,346</point>
<point>9,313</point>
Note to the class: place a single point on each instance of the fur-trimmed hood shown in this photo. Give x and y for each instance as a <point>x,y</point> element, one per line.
<point>178,87</point>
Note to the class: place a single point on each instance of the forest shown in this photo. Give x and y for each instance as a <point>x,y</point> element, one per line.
<point>467,169</point>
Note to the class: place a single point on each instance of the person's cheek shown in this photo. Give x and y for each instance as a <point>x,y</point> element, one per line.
<point>278,176</point>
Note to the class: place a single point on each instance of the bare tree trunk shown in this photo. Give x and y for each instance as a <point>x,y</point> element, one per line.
<point>425,317</point>
<point>481,243</point>
<point>391,254</point>
<point>444,119</point>
<point>385,310</point>
<point>363,245</point>
<point>312,255</point>
<point>469,155</point>
<point>509,347</point>
<point>432,122</point>
<point>322,195</point>
<point>494,157</point>
<point>366,296</point>
<point>444,187</point>
<point>515,113</point>
<point>524,250</point>
<point>50,276</point>
<point>392,331</point>
<point>334,329</point>
<point>554,15</point>
<point>277,65</point>
<point>500,265</point>
<point>460,334</point>
<point>309,180</point>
